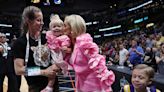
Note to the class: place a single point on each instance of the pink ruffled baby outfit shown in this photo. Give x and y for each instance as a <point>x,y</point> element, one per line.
<point>55,44</point>
<point>92,75</point>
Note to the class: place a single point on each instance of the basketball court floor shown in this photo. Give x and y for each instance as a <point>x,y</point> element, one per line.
<point>66,83</point>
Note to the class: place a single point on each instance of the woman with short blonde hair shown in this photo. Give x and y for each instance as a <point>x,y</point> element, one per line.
<point>92,75</point>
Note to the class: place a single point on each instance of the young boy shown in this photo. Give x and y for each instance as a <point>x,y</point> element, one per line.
<point>142,77</point>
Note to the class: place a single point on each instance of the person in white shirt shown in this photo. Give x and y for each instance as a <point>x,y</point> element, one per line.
<point>122,54</point>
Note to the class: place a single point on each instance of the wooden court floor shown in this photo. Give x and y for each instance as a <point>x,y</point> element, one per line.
<point>65,84</point>
<point>23,88</point>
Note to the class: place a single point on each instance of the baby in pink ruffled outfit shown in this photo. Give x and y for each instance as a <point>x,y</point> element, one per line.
<point>58,44</point>
<point>91,73</point>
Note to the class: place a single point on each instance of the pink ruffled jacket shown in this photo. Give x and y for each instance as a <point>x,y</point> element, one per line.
<point>55,44</point>
<point>92,75</point>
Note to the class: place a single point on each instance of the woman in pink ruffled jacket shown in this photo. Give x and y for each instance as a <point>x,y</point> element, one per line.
<point>58,44</point>
<point>91,73</point>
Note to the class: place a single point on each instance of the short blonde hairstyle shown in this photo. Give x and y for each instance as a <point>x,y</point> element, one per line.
<point>76,23</point>
<point>149,71</point>
<point>55,19</point>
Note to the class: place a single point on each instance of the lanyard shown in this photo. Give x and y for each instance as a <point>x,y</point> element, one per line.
<point>28,48</point>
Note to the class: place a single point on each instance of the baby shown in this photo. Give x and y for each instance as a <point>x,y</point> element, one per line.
<point>58,44</point>
<point>142,77</point>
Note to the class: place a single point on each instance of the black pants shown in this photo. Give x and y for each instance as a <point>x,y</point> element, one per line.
<point>7,69</point>
<point>41,86</point>
<point>19,78</point>
<point>12,82</point>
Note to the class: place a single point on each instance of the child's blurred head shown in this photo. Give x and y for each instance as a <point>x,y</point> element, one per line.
<point>56,25</point>
<point>142,76</point>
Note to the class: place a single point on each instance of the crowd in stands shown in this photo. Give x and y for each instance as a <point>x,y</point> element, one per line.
<point>135,48</point>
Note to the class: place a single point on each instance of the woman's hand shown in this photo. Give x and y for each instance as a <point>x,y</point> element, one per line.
<point>50,71</point>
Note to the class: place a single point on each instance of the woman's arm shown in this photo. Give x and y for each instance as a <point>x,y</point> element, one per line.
<point>19,66</point>
<point>97,63</point>
<point>139,52</point>
<point>20,69</point>
<point>158,59</point>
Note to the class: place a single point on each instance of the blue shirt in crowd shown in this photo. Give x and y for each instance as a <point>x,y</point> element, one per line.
<point>135,58</point>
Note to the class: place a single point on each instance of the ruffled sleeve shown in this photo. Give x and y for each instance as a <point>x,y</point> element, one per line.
<point>65,40</point>
<point>97,62</point>
<point>90,49</point>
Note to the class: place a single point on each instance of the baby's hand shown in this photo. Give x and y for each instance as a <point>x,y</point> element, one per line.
<point>55,68</point>
<point>66,49</point>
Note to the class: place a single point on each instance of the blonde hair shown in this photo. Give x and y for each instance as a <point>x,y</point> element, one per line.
<point>55,19</point>
<point>76,23</point>
<point>149,71</point>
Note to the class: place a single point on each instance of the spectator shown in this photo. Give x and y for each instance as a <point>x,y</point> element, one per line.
<point>122,55</point>
<point>149,58</point>
<point>7,65</point>
<point>142,77</point>
<point>136,53</point>
<point>160,59</point>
